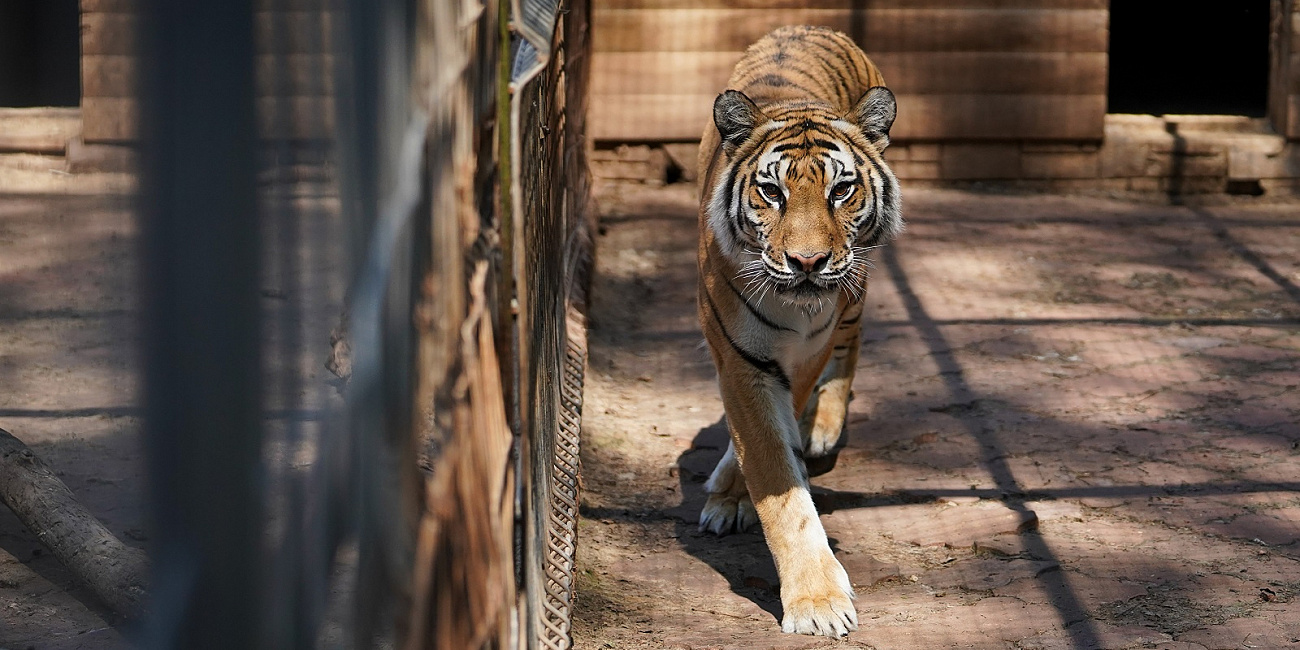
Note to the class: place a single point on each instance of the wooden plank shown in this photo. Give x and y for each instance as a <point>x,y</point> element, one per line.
<point>38,130</point>
<point>110,6</point>
<point>296,118</point>
<point>668,118</point>
<point>133,6</point>
<point>285,75</point>
<point>109,119</point>
<point>877,30</point>
<point>115,119</point>
<point>108,75</point>
<point>1293,117</point>
<point>907,73</point>
<point>1295,31</point>
<point>276,32</point>
<point>858,5</point>
<point>1292,71</point>
<point>108,33</point>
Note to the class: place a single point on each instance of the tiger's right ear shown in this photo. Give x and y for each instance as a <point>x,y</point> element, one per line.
<point>736,117</point>
<point>874,114</point>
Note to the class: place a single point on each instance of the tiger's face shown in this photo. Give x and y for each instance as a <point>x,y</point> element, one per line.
<point>805,195</point>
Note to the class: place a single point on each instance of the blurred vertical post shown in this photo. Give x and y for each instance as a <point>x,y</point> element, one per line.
<point>201,329</point>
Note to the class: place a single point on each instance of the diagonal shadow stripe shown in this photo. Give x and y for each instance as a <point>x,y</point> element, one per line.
<point>846,500</point>
<point>1073,616</point>
<point>1219,229</point>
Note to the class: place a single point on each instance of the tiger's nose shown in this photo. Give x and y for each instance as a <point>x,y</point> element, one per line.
<point>810,263</point>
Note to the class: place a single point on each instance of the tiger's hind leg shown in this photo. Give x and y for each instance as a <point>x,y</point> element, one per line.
<point>729,508</point>
<point>821,424</point>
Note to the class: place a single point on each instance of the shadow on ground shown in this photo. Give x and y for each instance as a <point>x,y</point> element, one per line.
<point>1073,427</point>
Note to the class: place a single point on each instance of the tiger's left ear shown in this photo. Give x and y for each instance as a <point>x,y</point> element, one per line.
<point>874,114</point>
<point>736,117</point>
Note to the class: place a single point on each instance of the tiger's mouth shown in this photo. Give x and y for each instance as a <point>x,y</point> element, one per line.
<point>806,287</point>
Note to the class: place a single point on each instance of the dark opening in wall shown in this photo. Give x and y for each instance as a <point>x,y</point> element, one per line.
<point>1189,56</point>
<point>40,53</point>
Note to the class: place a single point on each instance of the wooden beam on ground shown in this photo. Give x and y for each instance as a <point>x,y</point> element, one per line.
<point>114,572</point>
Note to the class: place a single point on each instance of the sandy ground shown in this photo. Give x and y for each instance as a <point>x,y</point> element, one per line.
<point>67,363</point>
<point>1074,426</point>
<point>69,375</point>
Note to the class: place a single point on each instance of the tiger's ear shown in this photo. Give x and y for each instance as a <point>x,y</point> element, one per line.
<point>736,117</point>
<point>874,114</point>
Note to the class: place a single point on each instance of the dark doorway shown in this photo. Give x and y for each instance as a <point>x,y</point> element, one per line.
<point>40,53</point>
<point>1189,56</point>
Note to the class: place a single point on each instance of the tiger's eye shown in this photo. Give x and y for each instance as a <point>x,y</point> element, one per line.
<point>841,191</point>
<point>769,191</point>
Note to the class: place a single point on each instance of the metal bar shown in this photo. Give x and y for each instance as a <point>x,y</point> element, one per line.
<point>200,274</point>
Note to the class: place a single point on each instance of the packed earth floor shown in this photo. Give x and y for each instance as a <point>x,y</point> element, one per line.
<point>1074,426</point>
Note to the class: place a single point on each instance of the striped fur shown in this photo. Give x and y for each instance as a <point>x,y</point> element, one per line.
<point>795,194</point>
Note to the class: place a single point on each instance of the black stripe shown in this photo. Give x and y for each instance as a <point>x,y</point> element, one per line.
<point>741,221</point>
<point>728,188</point>
<point>833,71</point>
<point>882,199</point>
<point>821,329</point>
<point>790,145</point>
<point>851,320</point>
<point>766,366</point>
<point>826,144</point>
<point>761,318</point>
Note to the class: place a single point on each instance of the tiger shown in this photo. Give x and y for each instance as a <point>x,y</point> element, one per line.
<point>795,193</point>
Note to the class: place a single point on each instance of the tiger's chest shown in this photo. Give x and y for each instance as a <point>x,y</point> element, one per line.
<point>787,334</point>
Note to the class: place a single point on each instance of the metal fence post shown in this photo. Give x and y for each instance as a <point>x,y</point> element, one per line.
<point>202,386</point>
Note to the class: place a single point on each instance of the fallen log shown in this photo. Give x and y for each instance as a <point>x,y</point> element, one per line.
<point>113,571</point>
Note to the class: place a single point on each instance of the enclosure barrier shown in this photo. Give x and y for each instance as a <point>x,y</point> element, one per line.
<point>438,179</point>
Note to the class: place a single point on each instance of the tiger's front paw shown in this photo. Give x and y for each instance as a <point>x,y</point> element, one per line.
<point>821,602</point>
<point>822,439</point>
<point>724,514</point>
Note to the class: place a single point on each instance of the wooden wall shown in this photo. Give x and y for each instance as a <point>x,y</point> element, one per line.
<point>1284,76</point>
<point>962,69</point>
<point>294,73</point>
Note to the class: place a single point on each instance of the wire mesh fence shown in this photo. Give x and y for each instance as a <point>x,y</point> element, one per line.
<point>397,191</point>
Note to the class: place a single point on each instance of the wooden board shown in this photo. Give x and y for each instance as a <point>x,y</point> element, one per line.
<point>1295,31</point>
<point>109,6</point>
<point>286,75</point>
<point>1292,82</point>
<point>613,5</point>
<point>114,119</point>
<point>876,30</point>
<point>276,32</point>
<point>133,6</point>
<point>629,118</point>
<point>906,73</point>
<point>38,130</point>
<point>1293,118</point>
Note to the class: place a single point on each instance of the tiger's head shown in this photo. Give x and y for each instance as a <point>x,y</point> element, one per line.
<point>805,193</point>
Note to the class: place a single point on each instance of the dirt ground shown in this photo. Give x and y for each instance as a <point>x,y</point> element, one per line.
<point>67,363</point>
<point>69,374</point>
<point>1074,426</point>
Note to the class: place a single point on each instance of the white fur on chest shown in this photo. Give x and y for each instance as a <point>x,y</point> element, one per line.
<point>800,334</point>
